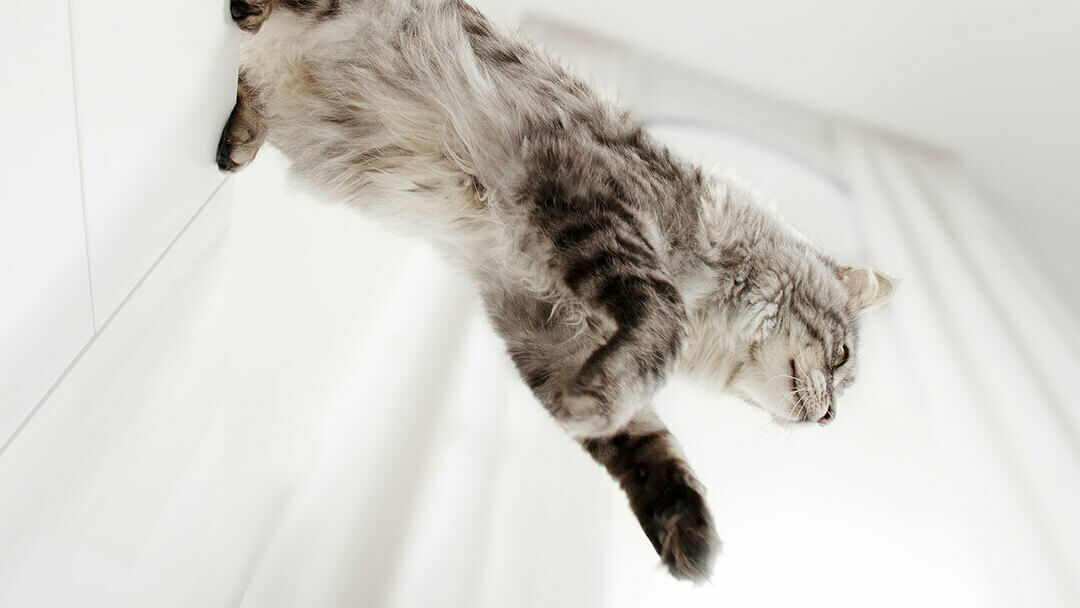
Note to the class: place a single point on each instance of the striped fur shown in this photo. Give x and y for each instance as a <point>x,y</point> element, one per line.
<point>605,262</point>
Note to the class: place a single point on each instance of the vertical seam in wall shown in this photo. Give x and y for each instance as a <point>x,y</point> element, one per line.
<point>82,177</point>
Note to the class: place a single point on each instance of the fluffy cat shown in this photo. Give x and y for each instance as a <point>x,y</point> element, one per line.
<point>605,262</point>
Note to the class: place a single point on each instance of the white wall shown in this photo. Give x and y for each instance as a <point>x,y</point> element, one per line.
<point>155,83</point>
<point>45,315</point>
<point>111,114</point>
<point>995,81</point>
<point>113,225</point>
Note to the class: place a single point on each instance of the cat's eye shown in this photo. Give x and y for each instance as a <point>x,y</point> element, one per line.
<point>841,357</point>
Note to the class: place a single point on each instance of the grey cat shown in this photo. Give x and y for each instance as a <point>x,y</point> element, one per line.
<point>605,262</point>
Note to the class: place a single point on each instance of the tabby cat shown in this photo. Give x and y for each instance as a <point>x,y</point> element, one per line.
<point>605,262</point>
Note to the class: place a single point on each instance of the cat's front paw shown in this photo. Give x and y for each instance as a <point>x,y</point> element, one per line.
<point>675,517</point>
<point>249,15</point>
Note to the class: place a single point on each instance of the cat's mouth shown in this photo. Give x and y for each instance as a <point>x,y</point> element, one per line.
<point>801,410</point>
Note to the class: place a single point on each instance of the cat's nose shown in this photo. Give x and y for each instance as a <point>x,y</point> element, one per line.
<point>827,417</point>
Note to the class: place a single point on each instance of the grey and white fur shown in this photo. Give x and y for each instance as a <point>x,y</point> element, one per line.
<point>605,262</point>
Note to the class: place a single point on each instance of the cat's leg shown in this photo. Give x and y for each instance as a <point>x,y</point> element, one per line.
<point>642,455</point>
<point>664,494</point>
<point>244,133</point>
<point>649,317</point>
<point>600,247</point>
<point>249,15</point>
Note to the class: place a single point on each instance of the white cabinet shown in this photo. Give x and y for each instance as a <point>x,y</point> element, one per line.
<point>45,314</point>
<point>155,83</point>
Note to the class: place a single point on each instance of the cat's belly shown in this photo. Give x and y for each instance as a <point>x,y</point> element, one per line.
<point>318,111</point>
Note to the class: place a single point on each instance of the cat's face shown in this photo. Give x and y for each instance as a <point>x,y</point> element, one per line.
<point>798,369</point>
<point>803,348</point>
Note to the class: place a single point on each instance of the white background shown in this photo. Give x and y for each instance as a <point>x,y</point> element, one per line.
<point>276,402</point>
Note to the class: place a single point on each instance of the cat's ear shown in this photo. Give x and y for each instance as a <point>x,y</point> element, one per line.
<point>867,287</point>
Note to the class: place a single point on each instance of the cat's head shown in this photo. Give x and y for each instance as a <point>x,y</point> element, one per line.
<point>780,327</point>
<point>800,367</point>
<point>793,347</point>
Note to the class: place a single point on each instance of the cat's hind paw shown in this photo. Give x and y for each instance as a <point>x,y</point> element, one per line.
<point>232,158</point>
<point>249,15</point>
<point>240,140</point>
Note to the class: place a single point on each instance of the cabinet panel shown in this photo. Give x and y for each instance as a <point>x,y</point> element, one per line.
<point>155,83</point>
<point>45,314</point>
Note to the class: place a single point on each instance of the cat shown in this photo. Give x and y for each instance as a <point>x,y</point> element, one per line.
<point>605,262</point>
